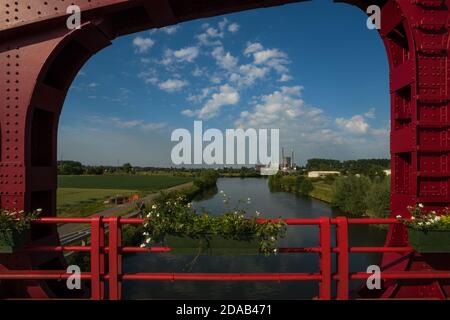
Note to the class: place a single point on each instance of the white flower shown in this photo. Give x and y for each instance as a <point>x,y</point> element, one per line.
<point>275,250</point>
<point>148,240</point>
<point>149,215</point>
<point>258,213</point>
<point>145,233</point>
<point>142,245</point>
<point>189,205</point>
<point>154,206</point>
<point>157,215</point>
<point>428,223</point>
<point>420,205</point>
<point>398,216</point>
<point>420,223</point>
<point>272,238</point>
<point>413,218</point>
<point>39,210</point>
<point>145,224</point>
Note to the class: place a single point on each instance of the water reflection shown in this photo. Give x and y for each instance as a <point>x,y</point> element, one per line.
<point>271,205</point>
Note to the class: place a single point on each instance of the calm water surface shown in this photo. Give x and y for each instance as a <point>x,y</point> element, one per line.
<point>271,205</point>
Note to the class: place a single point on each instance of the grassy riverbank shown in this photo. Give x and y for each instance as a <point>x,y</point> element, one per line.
<point>84,195</point>
<point>357,196</point>
<point>322,190</point>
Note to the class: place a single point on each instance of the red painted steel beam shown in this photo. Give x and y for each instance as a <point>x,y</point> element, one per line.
<point>222,276</point>
<point>40,57</point>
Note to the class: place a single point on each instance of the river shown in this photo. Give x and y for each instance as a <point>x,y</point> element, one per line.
<point>271,205</point>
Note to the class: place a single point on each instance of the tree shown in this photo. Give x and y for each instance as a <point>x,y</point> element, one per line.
<point>95,170</point>
<point>127,168</point>
<point>207,179</point>
<point>378,198</point>
<point>70,168</point>
<point>349,194</point>
<point>305,187</point>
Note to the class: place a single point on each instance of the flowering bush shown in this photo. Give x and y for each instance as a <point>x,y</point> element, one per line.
<point>16,221</point>
<point>171,214</point>
<point>426,220</point>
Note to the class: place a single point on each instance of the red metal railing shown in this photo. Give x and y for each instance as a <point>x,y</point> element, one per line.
<point>114,250</point>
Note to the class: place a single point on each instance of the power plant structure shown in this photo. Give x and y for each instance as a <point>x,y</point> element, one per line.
<point>287,162</point>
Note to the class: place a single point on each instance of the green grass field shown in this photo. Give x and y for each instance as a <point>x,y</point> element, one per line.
<point>122,182</point>
<point>322,191</point>
<point>84,195</point>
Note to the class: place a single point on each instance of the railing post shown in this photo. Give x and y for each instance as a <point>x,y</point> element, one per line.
<point>325,259</point>
<point>342,259</point>
<point>115,259</point>
<point>97,258</point>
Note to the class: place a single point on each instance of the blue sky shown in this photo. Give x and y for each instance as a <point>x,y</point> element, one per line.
<point>313,70</point>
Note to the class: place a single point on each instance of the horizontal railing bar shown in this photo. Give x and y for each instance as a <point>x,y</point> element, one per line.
<point>168,249</point>
<point>403,275</point>
<point>370,221</point>
<point>49,220</point>
<point>300,250</point>
<point>151,249</point>
<point>379,249</point>
<point>289,221</point>
<point>56,248</point>
<point>58,274</point>
<point>222,276</point>
<point>40,275</point>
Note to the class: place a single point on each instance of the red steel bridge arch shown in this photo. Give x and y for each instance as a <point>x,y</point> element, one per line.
<point>40,57</point>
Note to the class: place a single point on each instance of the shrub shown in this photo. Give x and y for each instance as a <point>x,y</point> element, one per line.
<point>349,194</point>
<point>378,198</point>
<point>305,187</point>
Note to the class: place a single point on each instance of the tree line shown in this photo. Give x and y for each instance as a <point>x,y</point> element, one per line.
<point>367,167</point>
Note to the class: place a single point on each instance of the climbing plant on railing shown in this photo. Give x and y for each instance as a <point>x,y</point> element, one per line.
<point>13,226</point>
<point>172,215</point>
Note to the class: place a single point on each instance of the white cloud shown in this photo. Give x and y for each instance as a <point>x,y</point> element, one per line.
<point>143,44</point>
<point>222,24</point>
<point>285,78</point>
<point>356,124</point>
<point>197,72</point>
<point>128,124</point>
<point>265,55</point>
<point>247,74</point>
<point>273,58</point>
<point>252,48</point>
<point>149,76</point>
<point>186,54</point>
<point>279,108</point>
<point>370,114</point>
<point>227,95</point>
<point>170,29</point>
<point>172,85</point>
<point>93,85</point>
<point>211,35</point>
<point>234,27</point>
<point>308,129</point>
<point>151,126</point>
<point>200,97</point>
<point>224,60</point>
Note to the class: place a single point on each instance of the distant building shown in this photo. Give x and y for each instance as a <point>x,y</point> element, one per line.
<point>387,172</point>
<point>322,174</point>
